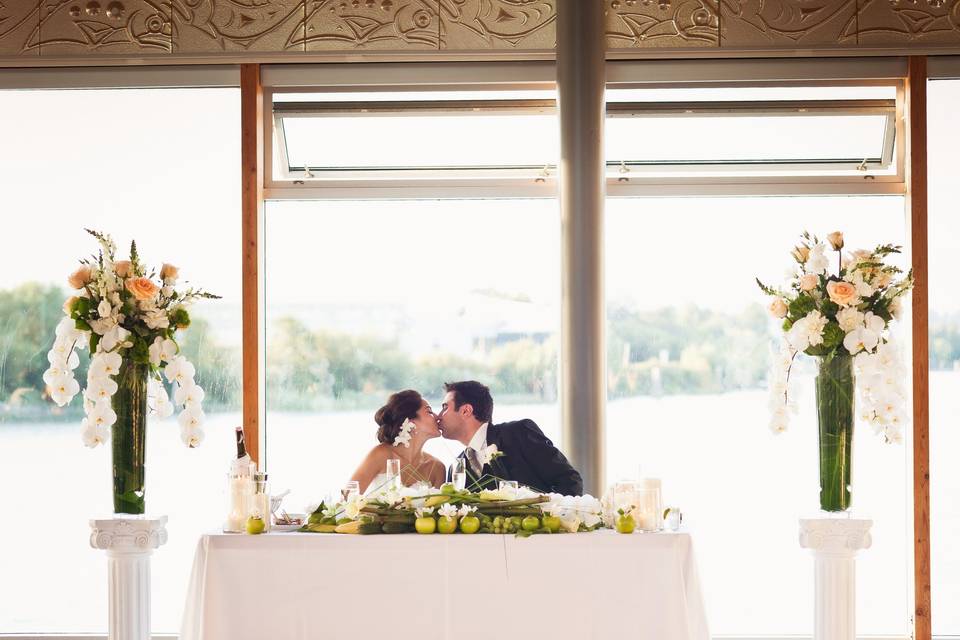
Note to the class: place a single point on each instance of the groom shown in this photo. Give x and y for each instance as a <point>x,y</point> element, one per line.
<point>528,456</point>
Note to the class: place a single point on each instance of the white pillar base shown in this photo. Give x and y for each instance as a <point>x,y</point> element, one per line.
<point>834,543</point>
<point>129,542</point>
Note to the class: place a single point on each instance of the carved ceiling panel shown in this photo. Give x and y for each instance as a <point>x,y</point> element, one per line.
<point>84,27</point>
<point>201,26</point>
<point>498,24</point>
<point>402,25</point>
<point>788,23</point>
<point>19,25</point>
<point>634,24</point>
<point>908,22</point>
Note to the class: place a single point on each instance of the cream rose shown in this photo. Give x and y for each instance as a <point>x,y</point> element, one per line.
<point>122,268</point>
<point>809,282</point>
<point>79,278</point>
<point>142,288</point>
<point>801,253</point>
<point>169,272</point>
<point>778,308</point>
<point>836,240</point>
<point>842,293</point>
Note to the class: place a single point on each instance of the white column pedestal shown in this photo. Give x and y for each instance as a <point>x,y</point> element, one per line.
<point>129,542</point>
<point>834,543</point>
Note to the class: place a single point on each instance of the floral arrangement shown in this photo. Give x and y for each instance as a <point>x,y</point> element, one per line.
<point>408,509</point>
<point>846,311</point>
<point>126,315</point>
<point>403,437</point>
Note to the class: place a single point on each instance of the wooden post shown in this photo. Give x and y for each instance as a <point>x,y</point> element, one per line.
<point>917,205</point>
<point>251,154</point>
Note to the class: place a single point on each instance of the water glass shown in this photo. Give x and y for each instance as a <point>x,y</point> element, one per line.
<point>351,489</point>
<point>393,471</point>
<point>459,473</point>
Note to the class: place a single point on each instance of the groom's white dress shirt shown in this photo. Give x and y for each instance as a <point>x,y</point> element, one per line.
<point>477,444</point>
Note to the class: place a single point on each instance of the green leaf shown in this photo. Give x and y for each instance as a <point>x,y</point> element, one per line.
<point>82,324</point>
<point>801,306</point>
<point>94,341</point>
<point>830,309</point>
<point>180,318</point>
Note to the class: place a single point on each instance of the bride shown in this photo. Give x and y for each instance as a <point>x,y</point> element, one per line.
<point>406,423</point>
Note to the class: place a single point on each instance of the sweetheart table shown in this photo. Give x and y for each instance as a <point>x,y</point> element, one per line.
<point>288,586</point>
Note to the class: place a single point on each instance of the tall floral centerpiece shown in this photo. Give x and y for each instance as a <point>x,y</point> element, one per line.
<point>838,309</point>
<point>128,317</point>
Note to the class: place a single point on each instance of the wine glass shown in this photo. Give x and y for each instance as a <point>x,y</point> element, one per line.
<point>509,488</point>
<point>350,489</point>
<point>459,474</point>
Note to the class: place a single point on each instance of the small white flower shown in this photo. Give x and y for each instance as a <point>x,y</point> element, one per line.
<point>189,395</point>
<point>104,309</point>
<point>465,510</point>
<point>191,418</point>
<point>354,506</point>
<point>817,263</point>
<point>191,437</point>
<point>403,437</point>
<point>179,370</point>
<point>115,336</point>
<point>63,391</point>
<point>102,325</point>
<point>93,435</point>
<point>423,512</point>
<point>447,510</point>
<point>487,454</point>
<point>102,415</point>
<point>101,388</point>
<point>105,364</point>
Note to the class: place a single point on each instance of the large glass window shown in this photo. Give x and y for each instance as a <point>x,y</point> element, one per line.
<point>365,298</point>
<point>688,354</point>
<point>944,246</point>
<point>159,166</point>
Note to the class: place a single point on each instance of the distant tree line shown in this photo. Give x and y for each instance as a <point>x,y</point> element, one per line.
<point>665,351</point>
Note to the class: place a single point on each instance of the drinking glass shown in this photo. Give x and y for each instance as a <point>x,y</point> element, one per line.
<point>509,488</point>
<point>625,496</point>
<point>393,471</point>
<point>459,473</point>
<point>351,489</point>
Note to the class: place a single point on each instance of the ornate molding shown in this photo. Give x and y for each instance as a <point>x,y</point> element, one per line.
<point>248,29</point>
<point>835,535</point>
<point>128,534</point>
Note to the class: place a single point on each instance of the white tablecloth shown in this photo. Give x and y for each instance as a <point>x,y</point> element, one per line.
<point>299,585</point>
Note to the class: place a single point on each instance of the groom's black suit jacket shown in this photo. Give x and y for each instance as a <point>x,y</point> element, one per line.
<point>529,458</point>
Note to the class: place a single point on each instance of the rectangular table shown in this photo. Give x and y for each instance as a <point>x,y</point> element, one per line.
<point>457,587</point>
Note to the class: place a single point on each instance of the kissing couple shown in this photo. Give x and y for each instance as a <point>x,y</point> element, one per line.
<point>508,451</point>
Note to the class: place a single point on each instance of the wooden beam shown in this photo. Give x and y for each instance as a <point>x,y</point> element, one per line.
<point>251,154</point>
<point>917,204</point>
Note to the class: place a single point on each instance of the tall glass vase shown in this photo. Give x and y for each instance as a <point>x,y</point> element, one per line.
<point>835,414</point>
<point>129,438</point>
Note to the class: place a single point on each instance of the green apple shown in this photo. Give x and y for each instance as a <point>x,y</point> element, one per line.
<point>469,524</point>
<point>255,525</point>
<point>625,523</point>
<point>552,523</point>
<point>446,524</point>
<point>448,488</point>
<point>425,525</point>
<point>531,523</point>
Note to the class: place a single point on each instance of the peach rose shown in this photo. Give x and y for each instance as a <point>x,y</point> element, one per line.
<point>68,305</point>
<point>79,278</point>
<point>169,272</point>
<point>142,288</point>
<point>836,240</point>
<point>809,282</point>
<point>122,268</point>
<point>801,253</point>
<point>778,308</point>
<point>842,293</point>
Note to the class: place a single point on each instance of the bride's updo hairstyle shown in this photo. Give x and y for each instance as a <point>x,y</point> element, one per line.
<point>400,406</point>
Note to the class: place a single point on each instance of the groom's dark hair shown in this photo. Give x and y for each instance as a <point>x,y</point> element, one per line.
<point>474,394</point>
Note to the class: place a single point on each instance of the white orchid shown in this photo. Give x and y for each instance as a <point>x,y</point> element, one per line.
<point>191,437</point>
<point>102,414</point>
<point>105,364</point>
<point>403,437</point>
<point>101,388</point>
<point>189,395</point>
<point>487,454</point>
<point>191,418</point>
<point>93,435</point>
<point>63,391</point>
<point>179,370</point>
<point>447,510</point>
